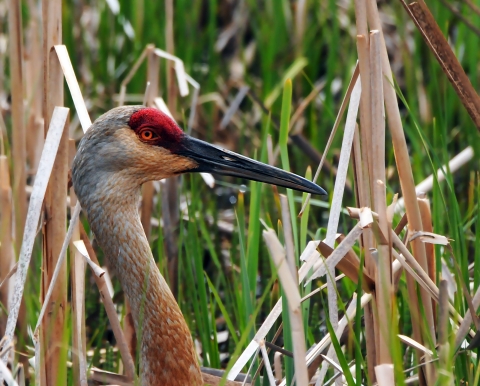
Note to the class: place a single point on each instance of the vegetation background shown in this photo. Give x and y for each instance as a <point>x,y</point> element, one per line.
<point>226,280</point>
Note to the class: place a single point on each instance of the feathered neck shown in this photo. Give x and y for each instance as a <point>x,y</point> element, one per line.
<point>167,352</point>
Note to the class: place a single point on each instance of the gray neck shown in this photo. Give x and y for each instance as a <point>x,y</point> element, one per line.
<point>114,218</point>
<point>167,352</point>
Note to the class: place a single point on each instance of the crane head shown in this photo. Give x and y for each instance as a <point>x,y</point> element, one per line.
<point>145,144</point>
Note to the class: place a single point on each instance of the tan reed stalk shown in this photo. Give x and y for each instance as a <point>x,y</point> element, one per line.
<point>424,206</point>
<point>7,256</point>
<point>363,49</point>
<point>49,153</point>
<point>300,22</point>
<point>54,230</point>
<point>19,153</point>
<point>360,188</point>
<point>77,275</point>
<point>56,59</point>
<point>384,275</point>
<point>361,19</point>
<point>54,234</point>
<point>437,43</point>
<point>34,88</point>
<point>111,311</point>
<point>365,198</point>
<point>402,161</point>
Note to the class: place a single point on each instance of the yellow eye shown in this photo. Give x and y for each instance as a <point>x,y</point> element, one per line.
<point>147,135</point>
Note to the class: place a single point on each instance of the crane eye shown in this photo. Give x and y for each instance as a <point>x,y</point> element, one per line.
<point>147,135</point>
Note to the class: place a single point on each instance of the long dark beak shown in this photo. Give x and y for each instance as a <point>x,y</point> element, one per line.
<point>213,159</point>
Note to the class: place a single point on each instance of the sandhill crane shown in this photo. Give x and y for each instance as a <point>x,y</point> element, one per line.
<point>124,148</point>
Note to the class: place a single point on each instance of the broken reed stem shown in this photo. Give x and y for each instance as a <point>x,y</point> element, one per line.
<point>365,173</point>
<point>366,242</point>
<point>53,325</point>
<point>77,275</point>
<point>361,20</point>
<point>49,152</point>
<point>383,276</point>
<point>96,269</point>
<point>363,49</point>
<point>110,310</point>
<point>402,159</point>
<point>53,235</point>
<point>19,153</point>
<point>425,280</point>
<point>366,142</point>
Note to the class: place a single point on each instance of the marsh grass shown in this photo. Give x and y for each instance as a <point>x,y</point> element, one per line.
<point>227,280</point>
